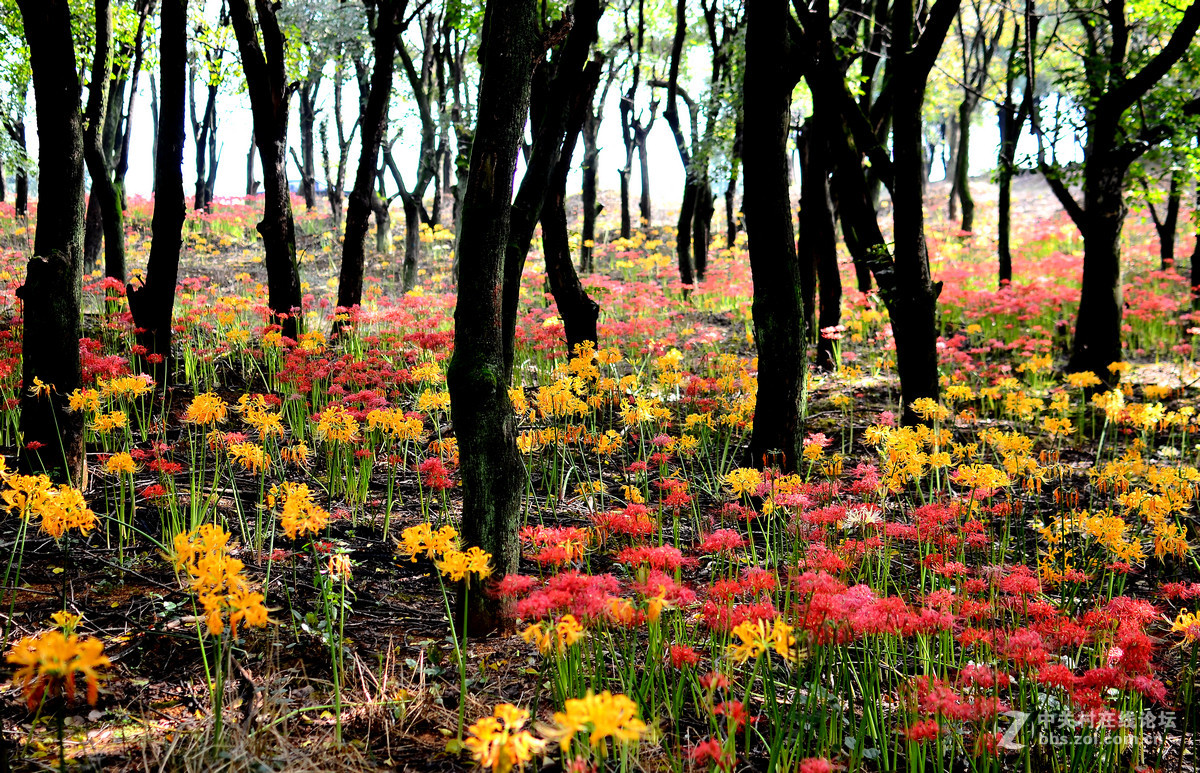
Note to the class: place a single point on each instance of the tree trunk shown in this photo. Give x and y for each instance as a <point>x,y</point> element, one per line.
<point>913,310</point>
<point>21,196</point>
<point>702,227</point>
<point>1167,224</point>
<point>152,304</point>
<point>554,93</point>
<point>1195,280</point>
<point>731,218</point>
<point>952,167</point>
<point>154,132</point>
<point>578,311</point>
<point>683,235</point>
<point>626,215</point>
<point>201,130</point>
<point>251,183</point>
<point>268,87</point>
<point>97,155</point>
<point>480,409</point>
<point>645,211</point>
<point>412,241</point>
<point>779,335</point>
<point>591,162</point>
<point>308,118</point>
<point>381,208</point>
<point>819,240</point>
<point>962,173</point>
<point>371,127</point>
<point>1101,303</point>
<point>52,434</point>
<point>1004,174</point>
<point>93,231</point>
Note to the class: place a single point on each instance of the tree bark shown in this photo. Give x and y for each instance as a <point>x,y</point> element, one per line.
<point>556,86</point>
<point>202,128</point>
<point>308,119</point>
<point>371,126</point>
<point>50,296</point>
<point>482,415</point>
<point>817,245</point>
<point>913,310</point>
<point>21,196</point>
<point>779,335</point>
<point>1166,224</point>
<point>266,82</point>
<point>1195,279</point>
<point>1108,155</point>
<point>732,226</point>
<point>579,312</point>
<point>97,156</point>
<point>962,173</point>
<point>153,303</point>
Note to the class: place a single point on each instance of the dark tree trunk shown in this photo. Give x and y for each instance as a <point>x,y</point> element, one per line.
<point>442,166</point>
<point>591,161</point>
<point>53,435</point>
<point>904,276</point>
<point>1167,223</point>
<point>202,130</point>
<point>308,119</point>
<point>553,91</point>
<point>702,227</point>
<point>731,219</point>
<point>683,236</point>
<point>1101,302</point>
<point>153,303</point>
<point>645,210</point>
<point>422,85</point>
<point>412,241</point>
<point>125,124</point>
<point>913,310</point>
<point>626,216</point>
<point>335,177</point>
<point>578,311</point>
<point>93,231</point>
<point>480,409</point>
<point>21,195</point>
<point>1195,280</point>
<point>779,334</point>
<point>97,155</point>
<point>381,208</point>
<point>267,84</point>
<point>806,260</point>
<point>371,127</point>
<point>962,173</point>
<point>952,167</point>
<point>1011,118</point>
<point>154,131</point>
<point>817,245</point>
<point>251,183</point>
<point>691,191</point>
<point>1108,156</point>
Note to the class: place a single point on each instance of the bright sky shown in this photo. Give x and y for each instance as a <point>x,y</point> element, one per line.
<point>234,129</point>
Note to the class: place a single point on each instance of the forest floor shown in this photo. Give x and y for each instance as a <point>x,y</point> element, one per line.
<point>673,411</point>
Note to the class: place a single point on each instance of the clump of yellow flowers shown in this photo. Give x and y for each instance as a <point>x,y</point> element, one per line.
<point>217,579</point>
<point>501,742</point>
<point>49,663</point>
<point>60,508</point>
<point>300,514</point>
